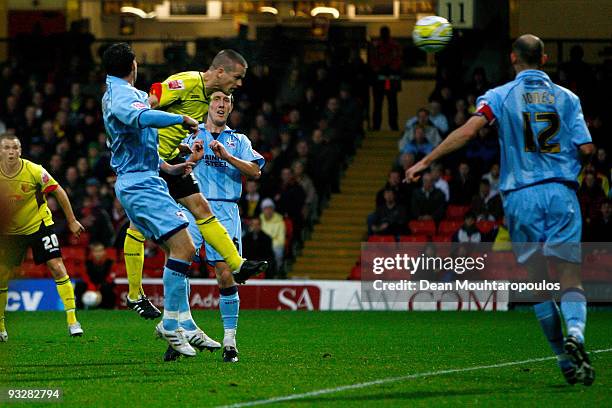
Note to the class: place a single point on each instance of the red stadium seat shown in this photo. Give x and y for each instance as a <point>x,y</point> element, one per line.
<point>111,253</point>
<point>456,212</point>
<point>73,253</point>
<point>449,227</point>
<point>381,238</point>
<point>120,271</point>
<point>485,226</point>
<point>75,267</point>
<point>30,270</point>
<point>442,238</point>
<point>418,227</point>
<point>82,241</point>
<point>413,238</point>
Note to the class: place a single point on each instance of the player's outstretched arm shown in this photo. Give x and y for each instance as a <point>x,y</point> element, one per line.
<point>176,169</point>
<point>455,141</point>
<point>247,168</point>
<point>74,225</point>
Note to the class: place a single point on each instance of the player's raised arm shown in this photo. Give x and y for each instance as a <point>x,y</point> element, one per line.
<point>455,141</point>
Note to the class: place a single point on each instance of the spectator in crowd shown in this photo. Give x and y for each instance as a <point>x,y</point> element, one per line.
<point>273,225</point>
<point>419,146</point>
<point>312,200</point>
<point>493,178</point>
<point>428,202</point>
<point>435,117</point>
<point>590,196</point>
<point>483,150</point>
<point>406,160</point>
<point>389,218</point>
<point>487,205</point>
<point>98,277</point>
<point>468,232</point>
<point>96,221</point>
<point>601,225</point>
<point>257,245</point>
<point>250,202</point>
<point>437,172</point>
<point>463,186</point>
<point>290,199</point>
<point>401,190</point>
<point>422,121</point>
<point>385,63</point>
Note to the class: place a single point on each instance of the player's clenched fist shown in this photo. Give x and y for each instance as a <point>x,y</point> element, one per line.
<point>190,124</point>
<point>219,150</point>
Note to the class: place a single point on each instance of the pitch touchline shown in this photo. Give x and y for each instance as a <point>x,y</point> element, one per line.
<point>389,380</point>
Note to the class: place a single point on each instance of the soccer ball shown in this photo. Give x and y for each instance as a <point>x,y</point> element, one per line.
<point>91,298</point>
<point>432,33</point>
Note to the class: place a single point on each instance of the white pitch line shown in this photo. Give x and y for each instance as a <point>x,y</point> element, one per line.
<point>388,381</point>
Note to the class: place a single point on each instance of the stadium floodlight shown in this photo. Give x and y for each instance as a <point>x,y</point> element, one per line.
<point>325,10</point>
<point>268,9</point>
<point>138,12</point>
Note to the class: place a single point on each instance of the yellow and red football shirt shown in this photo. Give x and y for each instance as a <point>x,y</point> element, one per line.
<point>26,193</point>
<point>184,94</point>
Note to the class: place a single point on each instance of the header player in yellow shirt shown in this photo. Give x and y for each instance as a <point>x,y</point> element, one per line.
<point>31,226</point>
<point>188,94</point>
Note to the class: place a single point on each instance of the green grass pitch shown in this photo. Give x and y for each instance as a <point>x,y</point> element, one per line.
<point>119,362</point>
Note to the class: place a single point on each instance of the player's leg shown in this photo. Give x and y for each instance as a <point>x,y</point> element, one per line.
<point>526,228</point>
<point>216,235</point>
<point>66,292</point>
<point>133,252</point>
<point>149,206</point>
<point>563,247</point>
<point>229,306</point>
<point>196,336</point>
<point>4,279</point>
<point>46,249</point>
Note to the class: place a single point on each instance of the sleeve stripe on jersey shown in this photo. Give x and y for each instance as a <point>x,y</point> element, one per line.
<point>50,189</point>
<point>485,110</point>
<point>156,89</point>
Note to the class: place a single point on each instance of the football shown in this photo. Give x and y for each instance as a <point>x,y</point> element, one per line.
<point>91,298</point>
<point>432,33</point>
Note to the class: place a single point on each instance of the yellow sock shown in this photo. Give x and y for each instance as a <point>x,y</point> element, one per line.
<point>3,298</point>
<point>66,292</point>
<point>133,251</point>
<point>216,235</point>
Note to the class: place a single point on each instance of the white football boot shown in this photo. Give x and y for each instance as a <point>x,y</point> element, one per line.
<point>176,339</point>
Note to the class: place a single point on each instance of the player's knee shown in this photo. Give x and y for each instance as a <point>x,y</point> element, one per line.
<point>201,208</point>
<point>225,278</point>
<point>57,268</point>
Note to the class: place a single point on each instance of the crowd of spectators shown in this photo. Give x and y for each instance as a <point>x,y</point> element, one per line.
<point>302,118</point>
<point>469,178</point>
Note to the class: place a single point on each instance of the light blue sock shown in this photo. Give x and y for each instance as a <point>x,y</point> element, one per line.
<point>185,319</point>
<point>548,316</point>
<point>174,290</point>
<point>573,307</point>
<point>229,305</point>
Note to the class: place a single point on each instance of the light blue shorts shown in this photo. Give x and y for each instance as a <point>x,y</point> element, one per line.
<point>228,214</point>
<point>147,203</point>
<point>544,217</point>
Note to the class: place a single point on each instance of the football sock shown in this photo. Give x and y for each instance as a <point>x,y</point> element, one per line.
<point>548,316</point>
<point>229,305</point>
<point>185,319</point>
<point>573,307</point>
<point>133,252</point>
<point>174,291</point>
<point>3,299</point>
<point>216,235</point>
<point>66,293</point>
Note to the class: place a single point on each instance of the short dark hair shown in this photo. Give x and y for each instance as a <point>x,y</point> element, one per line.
<point>529,49</point>
<point>118,59</point>
<point>228,59</point>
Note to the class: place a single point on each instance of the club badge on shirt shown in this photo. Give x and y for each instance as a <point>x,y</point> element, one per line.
<point>176,84</point>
